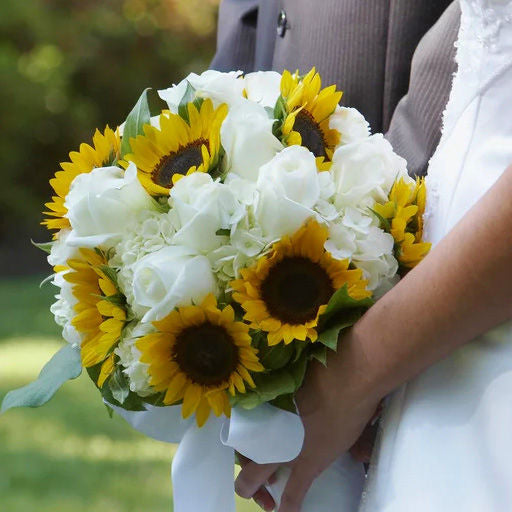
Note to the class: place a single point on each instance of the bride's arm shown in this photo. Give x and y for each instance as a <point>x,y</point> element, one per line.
<point>462,289</point>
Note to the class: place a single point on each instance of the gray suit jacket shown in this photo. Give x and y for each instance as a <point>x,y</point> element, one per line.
<point>394,59</point>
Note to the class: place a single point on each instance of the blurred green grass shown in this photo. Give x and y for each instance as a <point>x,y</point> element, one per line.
<point>68,456</point>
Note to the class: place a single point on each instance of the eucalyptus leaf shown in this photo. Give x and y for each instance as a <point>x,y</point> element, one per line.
<point>66,364</point>
<point>134,125</point>
<point>118,384</point>
<point>44,246</point>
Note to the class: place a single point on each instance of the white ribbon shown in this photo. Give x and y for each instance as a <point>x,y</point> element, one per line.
<point>203,466</point>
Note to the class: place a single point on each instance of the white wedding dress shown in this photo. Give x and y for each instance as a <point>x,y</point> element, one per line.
<point>446,440</point>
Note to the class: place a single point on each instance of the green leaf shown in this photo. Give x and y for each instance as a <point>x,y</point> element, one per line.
<point>271,385</point>
<point>134,125</point>
<point>223,232</point>
<point>189,97</point>
<point>286,403</point>
<point>110,273</point>
<point>118,299</point>
<point>319,353</point>
<point>119,386</point>
<point>340,301</point>
<point>384,223</point>
<point>277,356</point>
<point>329,336</point>
<point>63,366</point>
<point>44,246</point>
<point>342,312</point>
<point>280,110</point>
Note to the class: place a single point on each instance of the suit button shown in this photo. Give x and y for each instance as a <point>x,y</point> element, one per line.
<point>282,23</point>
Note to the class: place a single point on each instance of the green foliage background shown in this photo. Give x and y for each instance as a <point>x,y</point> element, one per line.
<point>67,67</point>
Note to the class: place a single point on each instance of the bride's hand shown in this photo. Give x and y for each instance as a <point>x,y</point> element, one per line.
<point>335,404</point>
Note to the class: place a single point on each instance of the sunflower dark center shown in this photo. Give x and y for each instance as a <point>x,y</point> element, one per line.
<point>295,288</point>
<point>178,162</point>
<point>312,135</point>
<point>206,354</point>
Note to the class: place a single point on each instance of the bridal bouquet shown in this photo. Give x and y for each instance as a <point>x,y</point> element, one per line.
<point>207,252</point>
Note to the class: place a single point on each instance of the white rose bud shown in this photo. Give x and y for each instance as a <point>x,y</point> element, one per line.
<point>170,277</point>
<point>289,187</point>
<point>246,135</point>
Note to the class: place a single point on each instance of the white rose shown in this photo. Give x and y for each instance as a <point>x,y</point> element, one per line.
<point>202,206</point>
<point>289,187</point>
<point>350,123</point>
<point>219,87</point>
<point>292,173</point>
<point>263,87</point>
<point>170,277</point>
<point>365,171</point>
<point>102,203</point>
<point>247,138</point>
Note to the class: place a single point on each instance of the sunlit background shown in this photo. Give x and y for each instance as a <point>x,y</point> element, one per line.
<point>67,67</point>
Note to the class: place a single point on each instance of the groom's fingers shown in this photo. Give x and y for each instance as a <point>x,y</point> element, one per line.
<point>252,477</point>
<point>302,476</point>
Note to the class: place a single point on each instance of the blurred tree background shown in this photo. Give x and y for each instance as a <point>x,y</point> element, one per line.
<point>67,67</point>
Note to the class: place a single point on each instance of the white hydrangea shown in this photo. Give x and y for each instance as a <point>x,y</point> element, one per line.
<point>150,232</point>
<point>63,311</point>
<point>61,251</point>
<point>129,356</point>
<point>356,235</point>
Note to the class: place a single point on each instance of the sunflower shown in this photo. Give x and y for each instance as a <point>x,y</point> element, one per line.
<point>178,148</point>
<point>285,291</point>
<point>308,109</point>
<point>199,354</point>
<point>105,151</point>
<point>100,316</point>
<point>402,216</point>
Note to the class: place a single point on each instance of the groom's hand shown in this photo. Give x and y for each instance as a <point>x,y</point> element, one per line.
<point>335,403</point>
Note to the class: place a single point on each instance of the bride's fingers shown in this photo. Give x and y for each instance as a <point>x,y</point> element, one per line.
<point>302,476</point>
<point>264,500</point>
<point>252,477</point>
